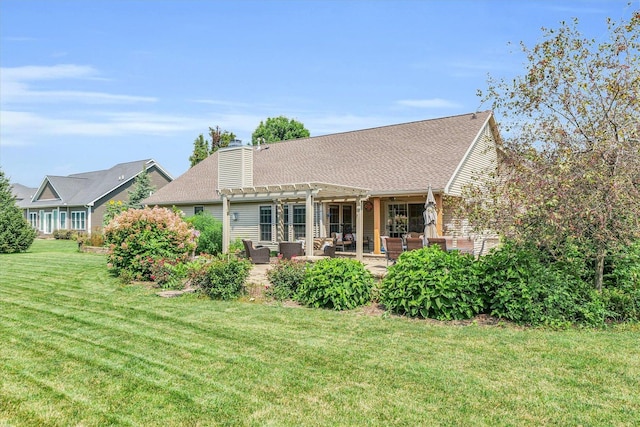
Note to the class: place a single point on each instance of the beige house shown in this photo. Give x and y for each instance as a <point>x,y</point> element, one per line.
<point>78,202</point>
<point>370,183</point>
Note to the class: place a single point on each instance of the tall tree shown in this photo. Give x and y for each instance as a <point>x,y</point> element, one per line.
<point>571,169</point>
<point>16,234</point>
<point>220,139</point>
<point>200,150</point>
<point>276,129</point>
<point>141,189</point>
<point>203,148</point>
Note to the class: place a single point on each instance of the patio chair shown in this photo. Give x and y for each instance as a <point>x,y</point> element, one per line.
<point>440,241</point>
<point>289,250</point>
<point>393,248</point>
<point>330,251</point>
<point>258,254</point>
<point>414,243</point>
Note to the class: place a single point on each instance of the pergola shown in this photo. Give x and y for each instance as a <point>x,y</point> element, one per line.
<point>309,192</point>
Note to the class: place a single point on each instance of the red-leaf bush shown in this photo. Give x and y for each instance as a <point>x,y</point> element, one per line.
<point>137,237</point>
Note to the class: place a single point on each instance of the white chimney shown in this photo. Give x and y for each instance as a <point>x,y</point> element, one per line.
<point>235,166</point>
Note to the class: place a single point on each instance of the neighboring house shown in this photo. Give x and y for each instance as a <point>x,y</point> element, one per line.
<point>78,201</point>
<point>373,182</point>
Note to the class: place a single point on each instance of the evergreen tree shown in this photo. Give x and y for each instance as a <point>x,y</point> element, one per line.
<point>16,234</point>
<point>142,188</point>
<point>200,150</point>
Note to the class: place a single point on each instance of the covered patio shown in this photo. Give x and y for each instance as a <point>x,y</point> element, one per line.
<point>309,193</point>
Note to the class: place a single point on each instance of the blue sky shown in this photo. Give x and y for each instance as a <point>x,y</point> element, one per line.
<point>87,84</point>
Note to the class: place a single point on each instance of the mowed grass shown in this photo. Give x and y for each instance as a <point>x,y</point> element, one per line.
<point>79,348</point>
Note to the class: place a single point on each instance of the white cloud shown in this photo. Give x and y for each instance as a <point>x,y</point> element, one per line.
<point>428,103</point>
<point>16,86</point>
<point>54,72</point>
<point>22,128</point>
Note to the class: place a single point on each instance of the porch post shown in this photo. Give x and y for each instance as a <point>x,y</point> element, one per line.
<point>308,225</point>
<point>376,225</point>
<point>359,228</point>
<point>226,224</point>
<point>281,221</point>
<point>440,214</point>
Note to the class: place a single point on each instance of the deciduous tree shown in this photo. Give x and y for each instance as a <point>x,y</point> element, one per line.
<point>571,151</point>
<point>276,129</point>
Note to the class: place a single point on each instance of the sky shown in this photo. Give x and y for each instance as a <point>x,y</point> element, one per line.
<point>88,84</point>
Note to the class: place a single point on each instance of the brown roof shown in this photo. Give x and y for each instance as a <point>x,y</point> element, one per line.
<point>398,158</point>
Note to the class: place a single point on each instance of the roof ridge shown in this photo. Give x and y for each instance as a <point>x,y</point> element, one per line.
<point>382,127</point>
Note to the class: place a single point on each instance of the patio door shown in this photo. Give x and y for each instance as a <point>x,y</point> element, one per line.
<point>48,223</point>
<point>341,219</point>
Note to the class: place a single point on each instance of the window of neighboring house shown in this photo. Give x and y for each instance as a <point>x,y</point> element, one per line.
<point>299,213</point>
<point>78,220</point>
<point>33,219</point>
<point>198,209</point>
<point>266,234</point>
<point>63,220</point>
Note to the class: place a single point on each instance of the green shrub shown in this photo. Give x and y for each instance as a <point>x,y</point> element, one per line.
<point>285,277</point>
<point>169,274</point>
<point>433,283</point>
<point>524,289</point>
<point>236,246</point>
<point>112,209</point>
<point>622,269</point>
<point>65,235</point>
<point>137,237</point>
<point>221,277</point>
<point>210,233</point>
<point>337,283</point>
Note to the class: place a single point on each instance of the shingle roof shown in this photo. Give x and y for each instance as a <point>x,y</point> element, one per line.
<point>22,192</point>
<point>397,158</point>
<point>83,188</point>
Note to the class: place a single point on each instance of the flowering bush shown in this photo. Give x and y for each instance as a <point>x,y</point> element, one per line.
<point>137,237</point>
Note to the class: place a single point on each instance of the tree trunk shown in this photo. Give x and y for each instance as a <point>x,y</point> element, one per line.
<point>600,269</point>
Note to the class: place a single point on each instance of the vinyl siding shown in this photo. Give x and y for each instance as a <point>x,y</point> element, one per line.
<point>235,167</point>
<point>482,158</point>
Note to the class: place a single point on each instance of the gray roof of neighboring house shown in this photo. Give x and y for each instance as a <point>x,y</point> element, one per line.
<point>22,192</point>
<point>84,188</point>
<point>398,158</point>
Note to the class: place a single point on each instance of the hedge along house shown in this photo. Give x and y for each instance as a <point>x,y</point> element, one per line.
<point>372,182</point>
<point>78,202</point>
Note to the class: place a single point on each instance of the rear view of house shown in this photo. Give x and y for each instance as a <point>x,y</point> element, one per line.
<point>371,182</point>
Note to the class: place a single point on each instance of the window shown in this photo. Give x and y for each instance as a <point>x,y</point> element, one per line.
<point>266,235</point>
<point>198,209</point>
<point>63,220</point>
<point>347,218</point>
<point>403,217</point>
<point>77,220</point>
<point>299,213</point>
<point>397,219</point>
<point>334,219</point>
<point>33,219</point>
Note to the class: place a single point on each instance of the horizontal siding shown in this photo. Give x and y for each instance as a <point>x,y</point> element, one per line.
<point>482,158</point>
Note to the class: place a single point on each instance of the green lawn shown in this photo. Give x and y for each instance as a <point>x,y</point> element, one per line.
<point>79,348</point>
